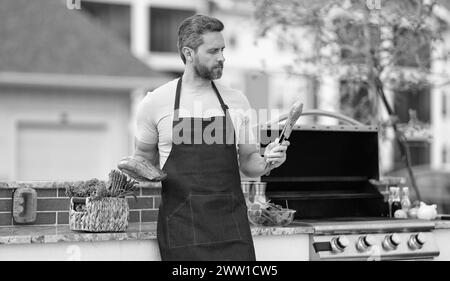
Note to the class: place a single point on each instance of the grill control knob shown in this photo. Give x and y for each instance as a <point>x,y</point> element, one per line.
<point>416,241</point>
<point>338,244</point>
<point>391,241</point>
<point>365,242</point>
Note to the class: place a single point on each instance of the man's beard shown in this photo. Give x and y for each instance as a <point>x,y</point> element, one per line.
<point>210,74</point>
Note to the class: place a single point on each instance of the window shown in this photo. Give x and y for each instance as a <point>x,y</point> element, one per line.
<point>352,40</point>
<point>416,99</point>
<point>164,28</point>
<point>233,41</point>
<point>445,157</point>
<point>444,105</point>
<point>420,101</point>
<point>256,89</point>
<point>355,101</point>
<point>312,86</point>
<point>420,154</point>
<point>313,90</point>
<point>112,16</point>
<point>412,48</point>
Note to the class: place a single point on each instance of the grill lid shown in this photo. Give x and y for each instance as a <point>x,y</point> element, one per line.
<point>327,154</point>
<point>327,171</point>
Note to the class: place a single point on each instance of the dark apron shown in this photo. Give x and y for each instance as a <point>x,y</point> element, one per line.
<point>203,215</point>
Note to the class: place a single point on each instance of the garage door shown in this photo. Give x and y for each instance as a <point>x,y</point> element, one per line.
<point>62,152</point>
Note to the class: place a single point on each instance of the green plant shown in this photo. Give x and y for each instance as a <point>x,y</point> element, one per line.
<point>84,188</point>
<point>118,185</point>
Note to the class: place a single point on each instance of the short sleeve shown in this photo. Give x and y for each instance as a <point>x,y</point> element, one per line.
<point>146,130</point>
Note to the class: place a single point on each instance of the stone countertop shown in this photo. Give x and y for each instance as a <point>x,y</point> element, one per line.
<point>34,234</point>
<point>442,224</point>
<point>29,234</point>
<point>61,184</point>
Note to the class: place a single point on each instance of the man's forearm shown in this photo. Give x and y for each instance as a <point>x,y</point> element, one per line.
<point>141,154</point>
<point>149,157</point>
<point>147,152</point>
<point>254,165</point>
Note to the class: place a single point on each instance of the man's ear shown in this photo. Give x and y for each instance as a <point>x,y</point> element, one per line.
<point>188,53</point>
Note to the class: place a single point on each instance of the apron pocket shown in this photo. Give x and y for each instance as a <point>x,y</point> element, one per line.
<point>179,226</point>
<point>213,218</point>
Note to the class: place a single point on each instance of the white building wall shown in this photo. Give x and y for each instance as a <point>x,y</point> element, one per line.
<point>441,123</point>
<point>329,98</point>
<point>46,106</point>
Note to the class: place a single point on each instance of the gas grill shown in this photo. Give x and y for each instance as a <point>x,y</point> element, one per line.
<point>327,179</point>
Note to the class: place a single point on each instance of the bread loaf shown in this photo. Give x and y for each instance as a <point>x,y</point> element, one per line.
<point>141,170</point>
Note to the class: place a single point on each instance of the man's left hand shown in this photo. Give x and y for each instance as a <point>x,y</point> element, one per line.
<point>275,153</point>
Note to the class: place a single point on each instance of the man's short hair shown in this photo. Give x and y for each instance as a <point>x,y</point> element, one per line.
<point>191,29</point>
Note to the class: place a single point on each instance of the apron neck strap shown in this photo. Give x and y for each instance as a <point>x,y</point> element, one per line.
<point>222,103</point>
<point>178,94</point>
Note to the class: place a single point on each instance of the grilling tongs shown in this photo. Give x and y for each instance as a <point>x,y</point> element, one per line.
<point>294,114</point>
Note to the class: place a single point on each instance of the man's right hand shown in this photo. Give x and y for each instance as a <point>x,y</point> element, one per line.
<point>141,169</point>
<point>141,164</point>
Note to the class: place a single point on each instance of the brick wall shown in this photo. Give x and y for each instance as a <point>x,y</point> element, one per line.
<point>53,204</point>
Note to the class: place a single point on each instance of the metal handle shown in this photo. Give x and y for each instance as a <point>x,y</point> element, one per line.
<point>317,112</point>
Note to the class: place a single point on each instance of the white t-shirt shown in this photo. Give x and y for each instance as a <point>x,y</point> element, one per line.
<point>155,113</point>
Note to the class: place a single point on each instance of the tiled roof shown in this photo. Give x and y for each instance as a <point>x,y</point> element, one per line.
<point>45,36</point>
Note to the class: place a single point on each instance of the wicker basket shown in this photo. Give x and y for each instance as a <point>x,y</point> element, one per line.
<point>109,214</point>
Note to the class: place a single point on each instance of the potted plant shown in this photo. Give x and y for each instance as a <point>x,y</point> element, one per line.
<point>96,206</point>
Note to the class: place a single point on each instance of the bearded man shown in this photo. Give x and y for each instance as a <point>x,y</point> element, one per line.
<point>199,132</point>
